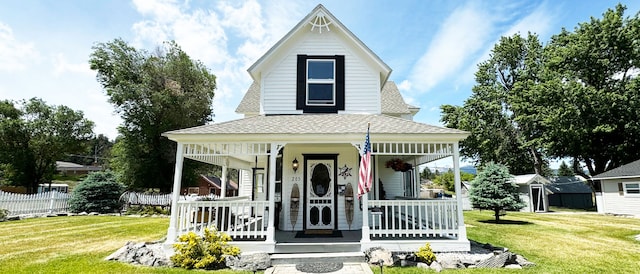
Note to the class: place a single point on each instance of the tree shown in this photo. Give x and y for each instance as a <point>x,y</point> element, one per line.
<point>493,188</point>
<point>35,136</point>
<point>154,93</point>
<point>99,192</point>
<point>97,152</point>
<point>447,179</point>
<point>489,115</point>
<point>565,170</point>
<point>590,107</point>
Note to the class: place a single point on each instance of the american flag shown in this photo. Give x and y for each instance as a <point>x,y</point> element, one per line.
<point>364,181</point>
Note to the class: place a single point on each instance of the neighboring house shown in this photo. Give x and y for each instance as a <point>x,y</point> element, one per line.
<point>211,185</point>
<point>532,192</point>
<point>570,192</point>
<point>298,152</point>
<point>618,190</point>
<point>531,189</point>
<point>76,169</point>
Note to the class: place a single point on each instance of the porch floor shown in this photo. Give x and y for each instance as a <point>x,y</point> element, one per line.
<point>348,236</point>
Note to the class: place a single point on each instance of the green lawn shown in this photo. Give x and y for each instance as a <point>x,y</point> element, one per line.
<point>556,242</point>
<point>568,242</point>
<point>77,244</point>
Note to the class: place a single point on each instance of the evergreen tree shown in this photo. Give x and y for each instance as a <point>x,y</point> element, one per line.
<point>493,189</point>
<point>565,170</point>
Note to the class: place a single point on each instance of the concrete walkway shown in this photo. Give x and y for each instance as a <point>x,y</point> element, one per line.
<point>348,268</point>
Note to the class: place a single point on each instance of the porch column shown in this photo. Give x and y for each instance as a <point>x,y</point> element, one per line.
<point>462,229</point>
<point>223,181</point>
<point>172,232</point>
<point>271,231</point>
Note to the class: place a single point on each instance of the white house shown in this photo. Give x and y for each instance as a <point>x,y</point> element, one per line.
<point>618,190</point>
<point>298,148</point>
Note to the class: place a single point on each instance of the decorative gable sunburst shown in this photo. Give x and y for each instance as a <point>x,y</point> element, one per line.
<point>320,21</point>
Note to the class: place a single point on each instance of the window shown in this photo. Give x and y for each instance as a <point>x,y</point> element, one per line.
<point>320,84</point>
<point>632,189</point>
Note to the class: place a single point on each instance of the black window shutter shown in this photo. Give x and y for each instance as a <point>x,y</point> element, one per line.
<point>340,82</point>
<point>301,83</point>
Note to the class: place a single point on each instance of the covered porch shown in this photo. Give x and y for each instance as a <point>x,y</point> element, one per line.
<point>279,202</point>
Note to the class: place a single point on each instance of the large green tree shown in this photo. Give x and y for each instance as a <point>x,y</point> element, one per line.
<point>589,104</point>
<point>496,135</point>
<point>34,135</point>
<point>493,189</point>
<point>153,92</point>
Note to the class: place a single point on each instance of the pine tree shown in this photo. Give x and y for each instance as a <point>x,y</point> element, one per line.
<point>565,170</point>
<point>494,189</point>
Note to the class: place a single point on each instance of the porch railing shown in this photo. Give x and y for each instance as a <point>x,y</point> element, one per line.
<point>411,219</point>
<point>238,217</point>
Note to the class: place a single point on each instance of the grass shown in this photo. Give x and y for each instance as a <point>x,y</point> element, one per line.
<point>563,242</point>
<point>77,244</point>
<point>568,242</point>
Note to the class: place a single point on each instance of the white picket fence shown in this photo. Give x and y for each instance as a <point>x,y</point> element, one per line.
<point>145,199</point>
<point>39,203</point>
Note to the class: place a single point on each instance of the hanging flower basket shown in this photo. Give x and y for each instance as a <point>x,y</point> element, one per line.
<point>398,165</point>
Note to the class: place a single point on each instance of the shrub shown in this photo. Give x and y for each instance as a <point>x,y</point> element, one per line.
<point>3,214</point>
<point>425,254</point>
<point>203,252</point>
<point>146,210</point>
<point>99,192</point>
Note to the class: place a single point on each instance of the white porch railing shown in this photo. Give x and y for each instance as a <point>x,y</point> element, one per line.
<point>46,202</point>
<point>394,219</point>
<point>238,217</point>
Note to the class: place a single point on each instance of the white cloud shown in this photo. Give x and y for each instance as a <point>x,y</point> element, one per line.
<point>61,65</point>
<point>462,34</point>
<point>15,55</point>
<point>405,85</point>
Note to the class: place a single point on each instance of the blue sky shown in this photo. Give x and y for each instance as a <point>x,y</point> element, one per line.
<point>433,47</point>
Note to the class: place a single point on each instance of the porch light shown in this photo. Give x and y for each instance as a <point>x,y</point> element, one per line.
<point>294,164</point>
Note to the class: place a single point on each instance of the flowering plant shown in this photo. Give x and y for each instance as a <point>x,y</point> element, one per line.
<point>398,165</point>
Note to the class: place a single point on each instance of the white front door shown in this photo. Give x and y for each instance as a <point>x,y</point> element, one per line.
<point>320,194</point>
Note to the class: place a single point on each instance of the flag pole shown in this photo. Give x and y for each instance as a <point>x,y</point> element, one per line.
<point>366,238</point>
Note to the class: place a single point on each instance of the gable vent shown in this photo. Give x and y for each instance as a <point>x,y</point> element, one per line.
<point>320,21</point>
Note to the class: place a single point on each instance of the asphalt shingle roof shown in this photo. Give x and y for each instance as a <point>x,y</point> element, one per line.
<point>629,170</point>
<point>318,124</point>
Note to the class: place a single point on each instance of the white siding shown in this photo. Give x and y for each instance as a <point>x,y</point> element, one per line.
<point>244,183</point>
<point>392,181</point>
<point>616,203</point>
<point>347,155</point>
<point>362,84</point>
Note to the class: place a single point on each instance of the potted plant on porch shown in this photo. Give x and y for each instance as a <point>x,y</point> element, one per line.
<point>398,164</point>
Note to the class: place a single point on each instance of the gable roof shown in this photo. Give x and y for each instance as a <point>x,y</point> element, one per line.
<point>332,127</point>
<point>530,179</point>
<point>390,97</point>
<point>335,25</point>
<point>629,170</point>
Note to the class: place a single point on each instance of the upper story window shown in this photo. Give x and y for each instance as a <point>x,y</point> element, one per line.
<point>320,84</point>
<point>632,189</point>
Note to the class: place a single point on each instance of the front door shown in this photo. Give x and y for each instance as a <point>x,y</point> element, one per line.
<point>320,193</point>
<point>537,193</point>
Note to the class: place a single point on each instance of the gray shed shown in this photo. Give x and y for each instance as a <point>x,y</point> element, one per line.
<point>570,192</point>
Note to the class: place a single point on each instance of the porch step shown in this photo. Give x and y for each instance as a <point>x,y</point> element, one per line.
<point>317,247</point>
<point>301,258</point>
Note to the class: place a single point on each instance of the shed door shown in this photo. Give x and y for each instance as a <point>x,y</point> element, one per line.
<point>537,198</point>
<point>320,204</point>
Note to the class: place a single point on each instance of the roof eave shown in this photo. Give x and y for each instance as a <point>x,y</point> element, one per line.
<point>313,138</point>
<point>255,69</point>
